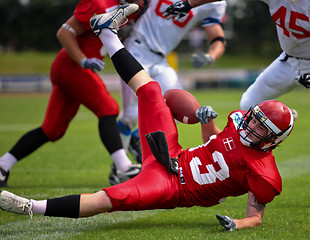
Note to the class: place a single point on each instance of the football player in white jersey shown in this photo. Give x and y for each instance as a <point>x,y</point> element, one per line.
<point>154,37</point>
<point>292,67</point>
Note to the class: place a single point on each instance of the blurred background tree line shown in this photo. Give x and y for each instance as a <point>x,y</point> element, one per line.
<point>32,25</point>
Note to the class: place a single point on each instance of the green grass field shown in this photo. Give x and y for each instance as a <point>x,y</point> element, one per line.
<point>78,163</point>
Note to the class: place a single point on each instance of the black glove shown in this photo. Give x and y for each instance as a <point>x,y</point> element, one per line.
<point>177,10</point>
<point>305,80</point>
<point>227,222</point>
<point>205,113</point>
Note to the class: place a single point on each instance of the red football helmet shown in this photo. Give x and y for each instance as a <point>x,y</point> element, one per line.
<point>275,116</point>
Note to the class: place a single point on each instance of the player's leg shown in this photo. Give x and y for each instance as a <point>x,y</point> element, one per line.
<point>51,130</point>
<point>85,87</point>
<point>276,80</point>
<point>161,72</point>
<point>27,144</point>
<point>156,113</point>
<point>60,112</point>
<point>71,206</point>
<point>128,117</point>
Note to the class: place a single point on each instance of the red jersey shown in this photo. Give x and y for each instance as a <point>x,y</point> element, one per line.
<point>89,44</point>
<point>225,167</point>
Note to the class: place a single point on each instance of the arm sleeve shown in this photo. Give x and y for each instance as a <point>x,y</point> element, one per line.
<point>264,190</point>
<point>215,14</point>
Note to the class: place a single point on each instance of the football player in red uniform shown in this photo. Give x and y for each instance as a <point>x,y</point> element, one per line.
<point>232,162</point>
<point>75,82</point>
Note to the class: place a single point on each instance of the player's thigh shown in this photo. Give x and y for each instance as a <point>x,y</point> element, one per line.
<point>60,111</point>
<point>167,77</point>
<point>153,188</point>
<point>154,115</point>
<point>90,91</point>
<point>275,80</point>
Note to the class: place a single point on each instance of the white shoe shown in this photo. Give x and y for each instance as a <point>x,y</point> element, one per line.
<point>10,202</point>
<point>112,20</point>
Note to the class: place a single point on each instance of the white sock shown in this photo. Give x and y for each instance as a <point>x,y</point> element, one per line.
<point>7,161</point>
<point>125,140</point>
<point>121,160</point>
<point>111,41</point>
<point>39,207</point>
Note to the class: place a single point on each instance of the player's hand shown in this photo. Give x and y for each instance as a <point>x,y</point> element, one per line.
<point>201,59</point>
<point>177,10</point>
<point>94,64</point>
<point>227,222</point>
<point>205,113</point>
<point>305,80</point>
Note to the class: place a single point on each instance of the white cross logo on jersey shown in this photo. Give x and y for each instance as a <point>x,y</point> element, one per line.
<point>229,143</point>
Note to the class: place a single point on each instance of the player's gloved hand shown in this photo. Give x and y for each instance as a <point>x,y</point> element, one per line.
<point>94,64</point>
<point>177,10</point>
<point>227,222</point>
<point>205,113</point>
<point>201,59</point>
<point>304,80</point>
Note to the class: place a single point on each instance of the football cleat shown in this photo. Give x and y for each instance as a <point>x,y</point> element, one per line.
<point>112,20</point>
<point>4,175</point>
<point>10,202</point>
<point>117,177</point>
<point>134,147</point>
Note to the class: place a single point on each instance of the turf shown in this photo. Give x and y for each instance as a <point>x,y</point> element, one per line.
<point>31,62</point>
<point>78,163</point>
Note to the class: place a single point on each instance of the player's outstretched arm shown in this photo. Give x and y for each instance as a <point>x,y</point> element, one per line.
<point>179,9</point>
<point>254,216</point>
<point>206,116</point>
<point>216,36</point>
<point>66,35</point>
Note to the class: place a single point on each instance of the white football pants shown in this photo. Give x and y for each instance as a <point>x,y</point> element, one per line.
<point>156,66</point>
<point>277,79</point>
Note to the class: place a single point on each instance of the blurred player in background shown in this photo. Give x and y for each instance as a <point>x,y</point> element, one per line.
<point>292,68</point>
<point>151,40</point>
<point>75,82</point>
<point>232,162</point>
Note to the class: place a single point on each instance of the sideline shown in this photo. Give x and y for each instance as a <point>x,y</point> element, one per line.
<point>193,79</point>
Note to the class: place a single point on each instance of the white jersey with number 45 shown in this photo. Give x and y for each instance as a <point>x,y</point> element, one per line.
<point>292,18</point>
<point>164,35</point>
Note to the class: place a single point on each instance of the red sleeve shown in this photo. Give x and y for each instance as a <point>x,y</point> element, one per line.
<point>264,189</point>
<point>87,8</point>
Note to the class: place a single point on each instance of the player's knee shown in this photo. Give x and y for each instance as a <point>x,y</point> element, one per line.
<point>54,135</point>
<point>102,202</point>
<point>151,90</point>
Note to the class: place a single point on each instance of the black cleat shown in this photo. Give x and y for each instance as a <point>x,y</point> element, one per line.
<point>117,177</point>
<point>134,147</point>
